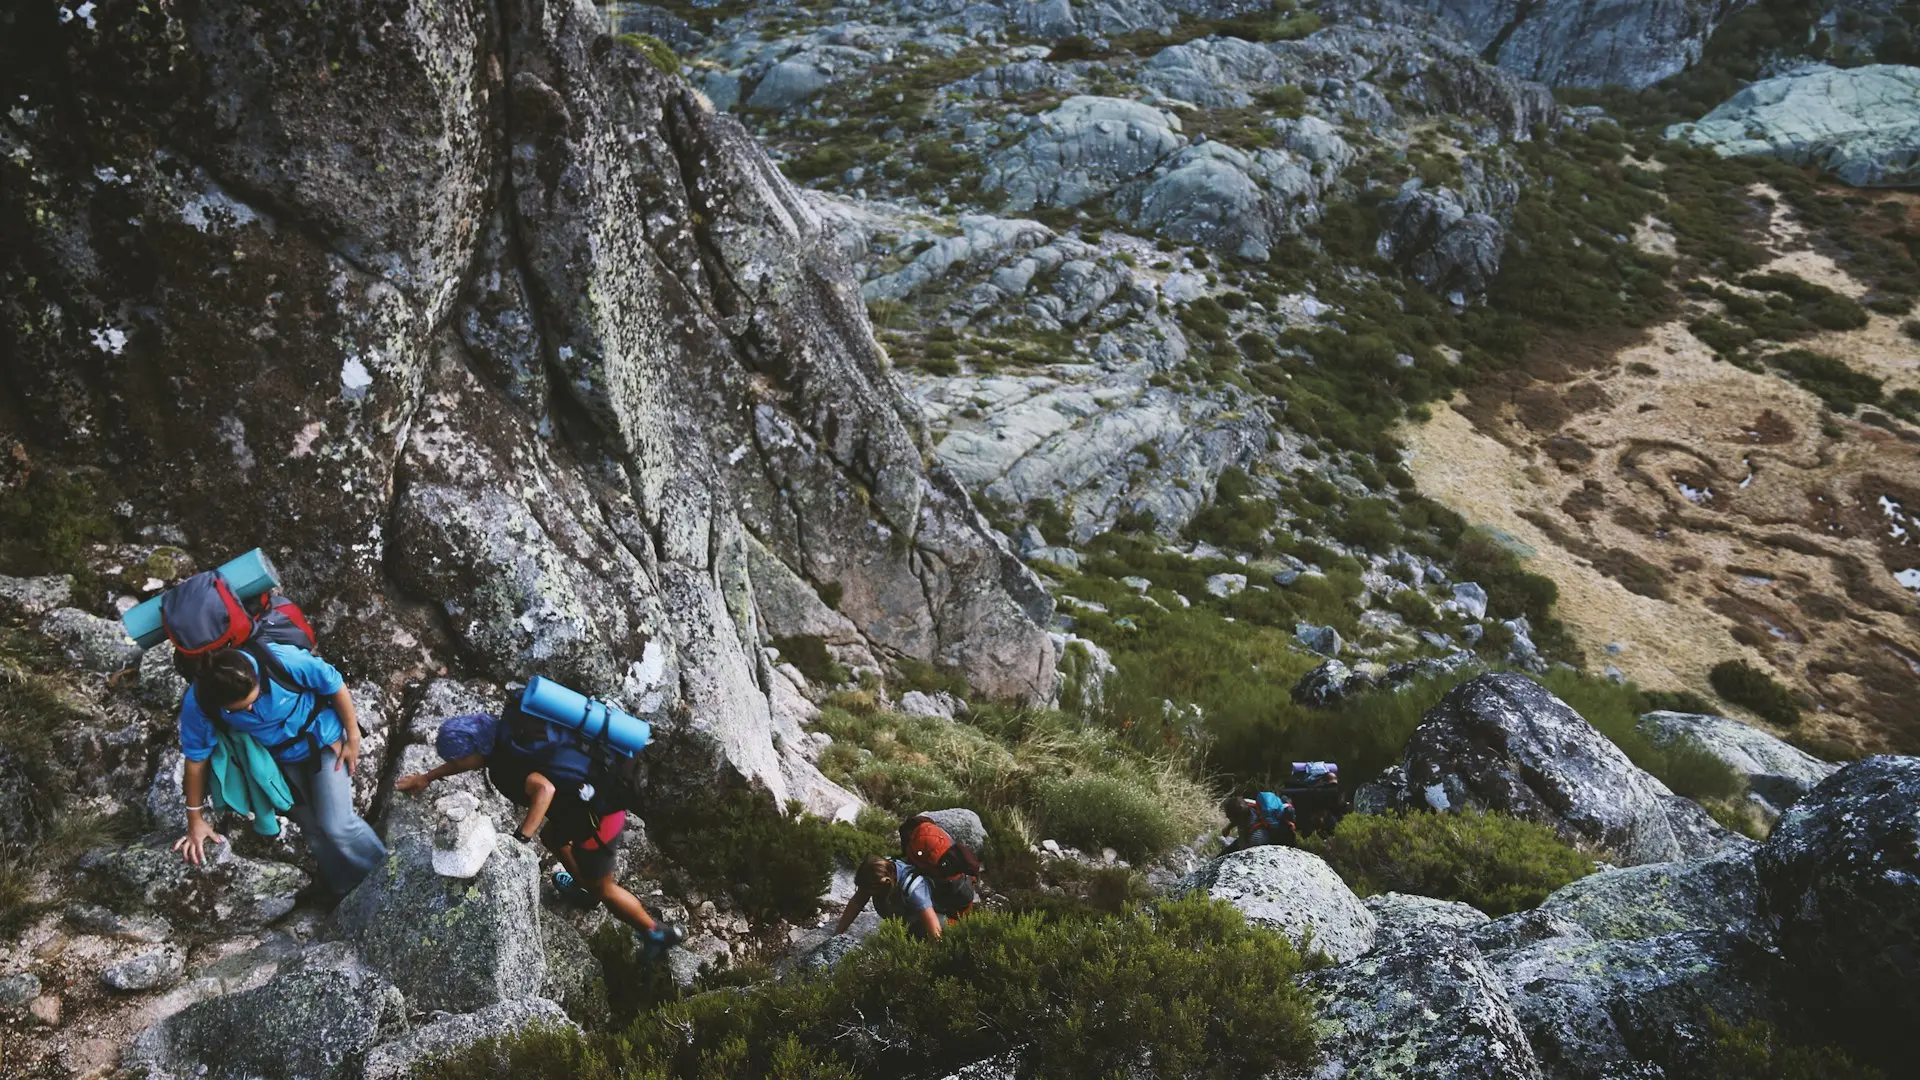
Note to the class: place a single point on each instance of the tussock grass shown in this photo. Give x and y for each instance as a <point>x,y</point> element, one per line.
<point>1497,863</point>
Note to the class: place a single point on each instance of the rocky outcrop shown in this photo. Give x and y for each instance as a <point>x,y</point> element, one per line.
<point>316,1021</point>
<point>1502,742</point>
<point>1633,43</point>
<point>1862,125</point>
<point>396,1060</point>
<point>1446,248</point>
<point>448,943</point>
<point>1841,878</point>
<point>228,893</point>
<point>1776,773</point>
<point>401,352</point>
<point>1426,1004</point>
<point>1334,682</point>
<point>1292,891</point>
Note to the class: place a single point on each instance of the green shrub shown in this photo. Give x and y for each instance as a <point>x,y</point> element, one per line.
<point>736,841</point>
<point>1743,684</point>
<point>808,652</point>
<point>1185,984</point>
<point>1839,386</point>
<point>1095,811</point>
<point>657,52</point>
<point>47,523</point>
<point>1757,1051</point>
<point>1614,709</point>
<point>1497,863</point>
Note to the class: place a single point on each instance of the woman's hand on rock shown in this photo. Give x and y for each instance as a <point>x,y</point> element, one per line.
<point>194,845</point>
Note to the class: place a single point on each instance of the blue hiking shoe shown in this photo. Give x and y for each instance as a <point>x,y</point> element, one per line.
<point>569,889</point>
<point>654,943</point>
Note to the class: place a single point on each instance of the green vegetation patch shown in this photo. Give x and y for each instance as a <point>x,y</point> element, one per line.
<point>1757,1050</point>
<point>1497,863</point>
<point>1184,984</point>
<point>736,841</point>
<point>1745,685</point>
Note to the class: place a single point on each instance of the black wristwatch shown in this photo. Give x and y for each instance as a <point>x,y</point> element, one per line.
<point>522,837</point>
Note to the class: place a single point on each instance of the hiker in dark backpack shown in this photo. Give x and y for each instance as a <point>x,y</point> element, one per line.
<point>298,707</point>
<point>575,802</point>
<point>1266,818</point>
<point>933,883</point>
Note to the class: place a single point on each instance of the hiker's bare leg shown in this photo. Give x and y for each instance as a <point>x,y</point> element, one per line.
<point>625,906</point>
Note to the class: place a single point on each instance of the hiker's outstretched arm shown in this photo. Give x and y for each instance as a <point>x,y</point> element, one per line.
<point>199,833</point>
<point>350,730</point>
<point>419,781</point>
<point>539,798</point>
<point>930,922</point>
<point>853,912</point>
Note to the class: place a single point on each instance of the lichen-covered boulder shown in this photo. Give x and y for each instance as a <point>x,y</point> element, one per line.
<point>1428,1004</point>
<point>1841,877</point>
<point>1450,249</point>
<point>1083,149</point>
<point>1777,772</point>
<point>227,893</point>
<point>447,943</point>
<point>1860,124</point>
<point>1401,915</point>
<point>30,598</point>
<point>1717,893</point>
<point>153,969</point>
<point>94,643</point>
<point>962,824</point>
<point>1635,1008</point>
<point>1632,43</point>
<point>1292,891</point>
<point>315,1021</point>
<point>396,1060</point>
<point>1502,742</point>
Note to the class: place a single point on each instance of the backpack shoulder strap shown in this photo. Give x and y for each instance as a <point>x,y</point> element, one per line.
<point>270,665</point>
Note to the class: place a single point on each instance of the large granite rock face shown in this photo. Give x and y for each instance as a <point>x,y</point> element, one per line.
<point>1631,43</point>
<point>1776,773</point>
<point>1862,125</point>
<point>397,1060</point>
<point>406,351</point>
<point>1502,742</point>
<point>1292,891</point>
<point>315,1021</point>
<point>1841,877</point>
<point>225,894</point>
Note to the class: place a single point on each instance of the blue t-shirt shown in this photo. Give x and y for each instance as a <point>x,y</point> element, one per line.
<point>276,714</point>
<point>913,895</point>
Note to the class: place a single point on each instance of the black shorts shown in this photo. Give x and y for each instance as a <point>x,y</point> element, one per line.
<point>592,840</point>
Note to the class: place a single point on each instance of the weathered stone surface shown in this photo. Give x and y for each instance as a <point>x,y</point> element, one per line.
<point>18,989</point>
<point>450,944</point>
<point>155,969</point>
<point>1402,915</point>
<point>1449,249</point>
<point>451,1034</point>
<point>229,892</point>
<point>1841,877</point>
<point>94,919</point>
<point>1425,1004</point>
<point>1861,124</point>
<point>1502,742</point>
<point>1776,772</point>
<point>1081,150</point>
<point>1632,43</point>
<point>1718,893</point>
<point>1636,1007</point>
<point>316,1021</point>
<point>1292,891</point>
<point>463,837</point>
<point>94,643</point>
<point>30,598</point>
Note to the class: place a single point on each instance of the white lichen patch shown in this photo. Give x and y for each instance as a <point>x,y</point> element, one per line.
<point>214,210</point>
<point>109,339</point>
<point>355,378</point>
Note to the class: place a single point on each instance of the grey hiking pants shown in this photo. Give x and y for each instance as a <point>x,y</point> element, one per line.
<point>345,846</point>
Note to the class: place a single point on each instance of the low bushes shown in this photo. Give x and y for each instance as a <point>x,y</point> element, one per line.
<point>1743,684</point>
<point>1497,863</point>
<point>736,841</point>
<point>1756,1050</point>
<point>1185,985</point>
<point>1614,709</point>
<point>1035,771</point>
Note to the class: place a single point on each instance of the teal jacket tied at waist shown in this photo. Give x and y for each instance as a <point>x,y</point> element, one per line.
<point>246,780</point>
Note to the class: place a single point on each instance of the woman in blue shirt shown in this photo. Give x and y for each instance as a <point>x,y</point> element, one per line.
<point>304,716</point>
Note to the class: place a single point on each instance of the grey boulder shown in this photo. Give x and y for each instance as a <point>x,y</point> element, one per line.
<point>228,892</point>
<point>94,643</point>
<point>1081,150</point>
<point>1633,43</point>
<point>1776,773</point>
<point>1448,248</point>
<point>1403,915</point>
<point>1292,891</point>
<point>962,824</point>
<point>1862,125</point>
<point>450,944</point>
<point>34,596</point>
<point>316,1021</point>
<point>155,969</point>
<point>1841,877</point>
<point>396,1060</point>
<point>1502,742</point>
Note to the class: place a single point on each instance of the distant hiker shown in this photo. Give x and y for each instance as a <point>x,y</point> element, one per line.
<point>1314,789</point>
<point>574,804</point>
<point>295,706</point>
<point>1266,818</point>
<point>933,883</point>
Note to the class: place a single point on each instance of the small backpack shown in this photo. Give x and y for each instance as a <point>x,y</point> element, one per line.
<point>202,616</point>
<point>950,867</point>
<point>1274,813</point>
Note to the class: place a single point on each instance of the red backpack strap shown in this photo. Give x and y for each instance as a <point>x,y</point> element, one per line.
<point>201,615</point>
